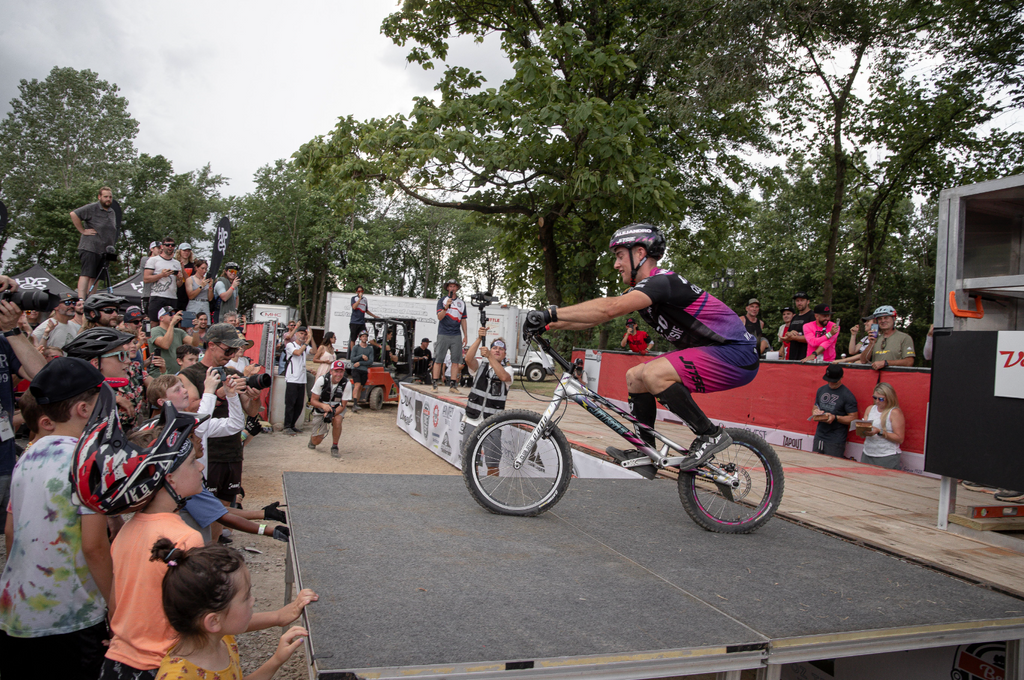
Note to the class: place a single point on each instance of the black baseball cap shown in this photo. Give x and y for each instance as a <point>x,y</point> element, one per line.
<point>787,309</point>
<point>63,378</point>
<point>801,294</point>
<point>630,322</point>
<point>833,373</point>
<point>822,309</point>
<point>425,340</point>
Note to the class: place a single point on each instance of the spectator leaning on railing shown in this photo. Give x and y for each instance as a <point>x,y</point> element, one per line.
<point>888,347</point>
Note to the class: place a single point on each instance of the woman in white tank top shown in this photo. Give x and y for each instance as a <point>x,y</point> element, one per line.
<point>882,446</point>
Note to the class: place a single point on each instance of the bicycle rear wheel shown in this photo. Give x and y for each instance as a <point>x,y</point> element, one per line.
<point>736,510</point>
<point>493,481</point>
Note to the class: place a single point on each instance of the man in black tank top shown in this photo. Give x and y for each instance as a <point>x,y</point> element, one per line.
<point>755,326</point>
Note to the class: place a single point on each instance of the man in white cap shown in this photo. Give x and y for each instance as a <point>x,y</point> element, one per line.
<point>167,337</point>
<point>889,347</point>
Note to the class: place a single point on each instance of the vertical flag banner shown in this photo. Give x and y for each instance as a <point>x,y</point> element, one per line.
<point>220,245</point>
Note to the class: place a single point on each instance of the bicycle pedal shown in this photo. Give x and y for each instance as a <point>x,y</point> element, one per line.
<point>620,455</point>
<point>632,460</point>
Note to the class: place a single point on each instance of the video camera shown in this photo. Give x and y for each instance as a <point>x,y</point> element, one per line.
<point>481,301</point>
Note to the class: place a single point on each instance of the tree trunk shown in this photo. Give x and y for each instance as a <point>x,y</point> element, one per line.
<point>602,337</point>
<point>546,234</point>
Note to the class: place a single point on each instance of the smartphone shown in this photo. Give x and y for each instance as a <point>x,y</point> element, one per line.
<point>874,330</point>
<point>188,319</point>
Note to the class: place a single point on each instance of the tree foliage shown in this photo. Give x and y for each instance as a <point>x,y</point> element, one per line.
<point>591,132</point>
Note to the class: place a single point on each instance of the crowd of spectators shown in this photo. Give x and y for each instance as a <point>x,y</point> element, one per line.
<point>105,394</point>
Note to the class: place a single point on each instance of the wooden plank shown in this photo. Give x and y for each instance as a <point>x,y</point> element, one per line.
<point>989,523</point>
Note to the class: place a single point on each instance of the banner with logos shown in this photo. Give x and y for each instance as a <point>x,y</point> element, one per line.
<point>437,425</point>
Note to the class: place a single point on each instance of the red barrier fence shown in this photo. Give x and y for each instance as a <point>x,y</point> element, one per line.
<point>782,394</point>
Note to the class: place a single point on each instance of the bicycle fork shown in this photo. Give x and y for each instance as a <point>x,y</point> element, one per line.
<point>531,444</point>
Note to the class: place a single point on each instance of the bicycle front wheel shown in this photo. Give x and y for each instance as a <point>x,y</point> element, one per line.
<point>487,465</point>
<point>742,509</point>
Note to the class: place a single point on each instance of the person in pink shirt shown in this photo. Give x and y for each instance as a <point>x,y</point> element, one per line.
<point>821,335</point>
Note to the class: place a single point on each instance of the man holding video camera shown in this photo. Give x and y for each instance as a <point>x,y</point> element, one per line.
<point>97,224</point>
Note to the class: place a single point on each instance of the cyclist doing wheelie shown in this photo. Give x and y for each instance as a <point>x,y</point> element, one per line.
<point>714,351</point>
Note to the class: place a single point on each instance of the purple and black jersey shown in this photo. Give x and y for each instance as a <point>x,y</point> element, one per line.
<point>686,315</point>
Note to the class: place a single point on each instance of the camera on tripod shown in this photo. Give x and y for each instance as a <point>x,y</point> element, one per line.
<point>481,301</point>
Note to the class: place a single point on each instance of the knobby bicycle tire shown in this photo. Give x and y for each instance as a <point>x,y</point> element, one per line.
<point>754,503</point>
<point>489,474</point>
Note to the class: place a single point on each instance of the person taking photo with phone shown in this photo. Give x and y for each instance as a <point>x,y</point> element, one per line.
<point>166,338</point>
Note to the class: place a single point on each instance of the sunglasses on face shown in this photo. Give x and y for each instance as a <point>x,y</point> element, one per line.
<point>69,303</point>
<point>121,356</point>
<point>879,398</point>
<point>228,351</point>
<point>109,310</point>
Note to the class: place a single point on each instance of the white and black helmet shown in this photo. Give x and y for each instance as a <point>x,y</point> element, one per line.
<point>95,342</point>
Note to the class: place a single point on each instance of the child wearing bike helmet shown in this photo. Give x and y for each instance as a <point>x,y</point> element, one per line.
<point>57,578</point>
<point>113,475</point>
<point>207,596</point>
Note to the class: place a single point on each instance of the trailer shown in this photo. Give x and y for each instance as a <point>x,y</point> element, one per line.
<point>420,316</point>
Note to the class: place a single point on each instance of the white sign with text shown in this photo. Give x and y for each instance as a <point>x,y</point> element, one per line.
<point>1010,364</point>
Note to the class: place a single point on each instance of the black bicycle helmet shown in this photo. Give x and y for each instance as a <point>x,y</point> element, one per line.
<point>640,234</point>
<point>95,342</point>
<point>94,303</point>
<point>110,475</point>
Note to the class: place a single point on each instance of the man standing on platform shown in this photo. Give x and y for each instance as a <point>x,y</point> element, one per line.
<point>358,321</point>
<point>163,272</point>
<point>451,315</point>
<point>835,408</point>
<point>97,224</point>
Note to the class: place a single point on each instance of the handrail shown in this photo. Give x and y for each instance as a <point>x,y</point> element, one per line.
<point>966,313</point>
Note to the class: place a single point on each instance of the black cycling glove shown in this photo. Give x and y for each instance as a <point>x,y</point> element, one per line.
<point>536,322</point>
<point>272,513</point>
<point>281,533</point>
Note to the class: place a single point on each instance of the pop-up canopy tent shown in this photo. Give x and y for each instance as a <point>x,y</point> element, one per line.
<point>131,289</point>
<point>37,278</point>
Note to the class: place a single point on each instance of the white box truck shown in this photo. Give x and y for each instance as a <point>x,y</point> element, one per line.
<point>282,314</point>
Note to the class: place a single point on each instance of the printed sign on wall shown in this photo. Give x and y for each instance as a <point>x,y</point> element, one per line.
<point>1010,364</point>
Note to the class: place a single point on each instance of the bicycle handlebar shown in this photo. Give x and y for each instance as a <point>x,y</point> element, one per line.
<point>546,346</point>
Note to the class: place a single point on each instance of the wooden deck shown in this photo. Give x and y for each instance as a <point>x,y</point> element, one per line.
<point>889,510</point>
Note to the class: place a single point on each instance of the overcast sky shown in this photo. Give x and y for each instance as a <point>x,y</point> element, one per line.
<point>231,83</point>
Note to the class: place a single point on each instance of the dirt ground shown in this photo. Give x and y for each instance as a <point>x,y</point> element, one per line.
<point>370,443</point>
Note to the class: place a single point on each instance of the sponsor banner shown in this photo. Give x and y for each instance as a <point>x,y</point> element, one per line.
<point>1010,364</point>
<point>438,426</point>
<point>909,461</point>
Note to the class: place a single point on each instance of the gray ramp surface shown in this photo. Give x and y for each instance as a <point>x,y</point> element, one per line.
<point>412,572</point>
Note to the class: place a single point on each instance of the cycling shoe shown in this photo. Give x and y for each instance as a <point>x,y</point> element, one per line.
<point>705,447</point>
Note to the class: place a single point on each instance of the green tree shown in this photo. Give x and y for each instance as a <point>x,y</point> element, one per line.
<point>935,72</point>
<point>69,133</point>
<point>592,132</point>
<point>290,243</point>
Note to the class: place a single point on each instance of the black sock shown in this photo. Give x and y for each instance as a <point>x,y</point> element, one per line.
<point>645,409</point>
<point>678,400</point>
